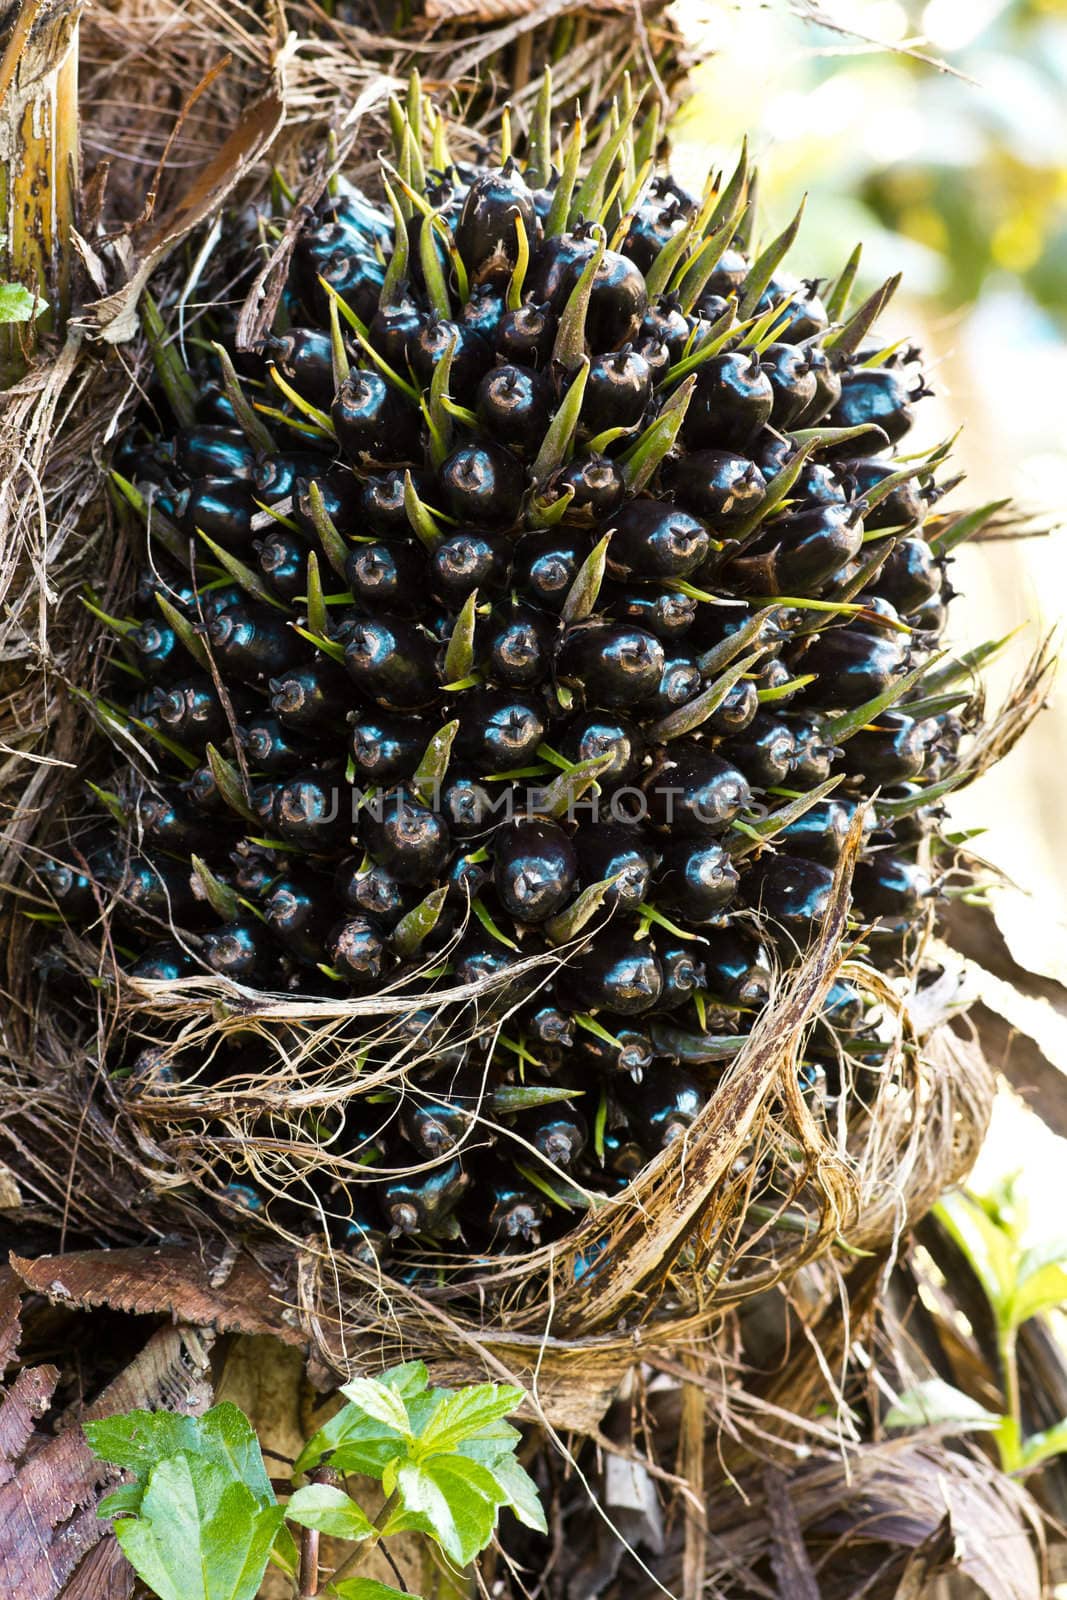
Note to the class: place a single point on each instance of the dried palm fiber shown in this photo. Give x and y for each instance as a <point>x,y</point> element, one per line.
<point>675,1252</point>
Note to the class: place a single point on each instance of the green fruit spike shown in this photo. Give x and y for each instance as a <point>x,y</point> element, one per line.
<point>722,331</point>
<point>760,629</point>
<point>429,775</point>
<point>422,520</point>
<point>505,133</point>
<point>230,785</point>
<point>559,211</point>
<point>415,927</point>
<point>964,666</point>
<point>750,835</point>
<point>413,165</point>
<point>481,911</point>
<point>558,798</point>
<point>837,729</point>
<point>396,273</point>
<point>432,271</point>
<point>185,631</point>
<point>746,226</point>
<point>731,201</point>
<point>321,421</point>
<point>556,446</point>
<point>539,143</point>
<point>332,543</point>
<point>584,592</point>
<point>762,270</point>
<point>510,1098</point>
<point>838,297</point>
<point>521,267</point>
<point>177,383</point>
<point>695,1049</point>
<point>688,718</point>
<point>569,347</point>
<point>318,614</point>
<point>542,513</point>
<point>965,527</point>
<point>459,656</point>
<point>250,581</point>
<point>641,462</point>
<point>338,354</point>
<point>441,155</point>
<point>219,896</point>
<point>253,427</point>
<point>646,138</point>
<point>777,491</point>
<point>659,273</point>
<point>849,338</point>
<point>359,330</point>
<point>590,197</point>
<point>439,418</point>
<point>568,924</point>
<point>413,106</point>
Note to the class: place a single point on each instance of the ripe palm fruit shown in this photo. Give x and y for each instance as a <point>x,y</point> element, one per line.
<point>520,754</point>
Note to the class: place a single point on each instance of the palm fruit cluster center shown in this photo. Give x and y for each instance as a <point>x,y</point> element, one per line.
<point>560,594</point>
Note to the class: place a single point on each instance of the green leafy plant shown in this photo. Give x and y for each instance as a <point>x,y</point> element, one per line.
<point>1019,1282</point>
<point>17,304</point>
<point>200,1519</point>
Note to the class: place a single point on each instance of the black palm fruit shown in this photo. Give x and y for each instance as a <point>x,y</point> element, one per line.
<point>534,867</point>
<point>732,401</point>
<point>616,971</point>
<point>610,665</point>
<point>722,487</point>
<point>593,735</point>
<point>514,404</point>
<point>389,781</point>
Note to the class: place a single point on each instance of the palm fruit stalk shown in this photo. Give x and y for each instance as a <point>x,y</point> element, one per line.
<point>562,591</point>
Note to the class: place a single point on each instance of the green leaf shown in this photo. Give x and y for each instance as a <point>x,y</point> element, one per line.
<point>124,1502</point>
<point>368,1589</point>
<point>17,304</point>
<point>464,1414</point>
<point>200,1534</point>
<point>518,1488</point>
<point>1041,1280</point>
<point>252,426</point>
<point>416,925</point>
<point>138,1440</point>
<point>378,1401</point>
<point>1044,1445</point>
<point>459,653</point>
<point>988,1249</point>
<point>559,436</point>
<point>935,1403</point>
<point>451,1499</point>
<point>328,1510</point>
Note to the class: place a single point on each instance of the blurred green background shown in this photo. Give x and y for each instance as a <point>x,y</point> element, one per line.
<point>960,180</point>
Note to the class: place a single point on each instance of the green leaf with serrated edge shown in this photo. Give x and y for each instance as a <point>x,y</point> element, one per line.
<point>569,922</point>
<point>966,526</point>
<point>200,1534</point>
<point>219,896</point>
<point>686,719</point>
<point>482,912</point>
<point>585,590</point>
<point>847,340</point>
<point>838,729</point>
<point>936,1404</point>
<point>510,1098</point>
<point>568,349</point>
<point>252,426</point>
<point>757,833</point>
<point>368,1589</point>
<point>416,925</point>
<point>838,297</point>
<point>328,1510</point>
<point>420,517</point>
<point>318,419</point>
<point>175,381</point>
<point>763,268</point>
<point>465,1414</point>
<point>559,436</point>
<point>590,194</point>
<point>229,784</point>
<point>379,1402</point>
<point>459,655</point>
<point>521,267</point>
<point>453,1500</point>
<point>967,665</point>
<point>559,210</point>
<point>124,1502</point>
<point>989,1250</point>
<point>695,1049</point>
<point>558,798</point>
<point>429,775</point>
<point>250,581</point>
<point>642,460</point>
<point>18,304</point>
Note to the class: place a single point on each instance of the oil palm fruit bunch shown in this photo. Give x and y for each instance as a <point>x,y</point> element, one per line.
<point>560,595</point>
